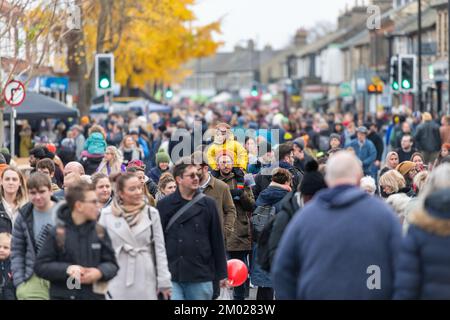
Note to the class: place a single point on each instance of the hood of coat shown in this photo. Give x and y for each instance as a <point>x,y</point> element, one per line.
<point>64,217</point>
<point>290,202</point>
<point>271,196</point>
<point>435,217</point>
<point>341,196</point>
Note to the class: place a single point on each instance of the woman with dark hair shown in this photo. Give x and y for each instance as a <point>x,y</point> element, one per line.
<point>445,150</point>
<point>138,240</point>
<point>269,197</point>
<point>418,159</point>
<point>103,189</point>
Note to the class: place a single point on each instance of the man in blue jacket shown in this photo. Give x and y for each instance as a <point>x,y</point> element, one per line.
<point>365,150</point>
<point>342,245</point>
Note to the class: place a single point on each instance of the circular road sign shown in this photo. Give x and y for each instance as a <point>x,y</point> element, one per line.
<point>14,93</point>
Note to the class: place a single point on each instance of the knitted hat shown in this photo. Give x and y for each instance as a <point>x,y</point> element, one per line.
<point>224,152</point>
<point>313,181</point>
<point>438,204</point>
<point>405,167</point>
<point>162,156</point>
<point>138,164</point>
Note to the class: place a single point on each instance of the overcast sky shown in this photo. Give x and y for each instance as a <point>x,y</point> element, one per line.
<point>267,21</point>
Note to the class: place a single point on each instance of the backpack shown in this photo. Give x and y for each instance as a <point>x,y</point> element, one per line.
<point>263,256</point>
<point>259,219</point>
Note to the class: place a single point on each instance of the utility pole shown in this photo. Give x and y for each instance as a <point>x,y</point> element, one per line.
<point>419,53</point>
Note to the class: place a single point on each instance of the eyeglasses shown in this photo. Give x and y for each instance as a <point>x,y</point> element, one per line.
<point>194,175</point>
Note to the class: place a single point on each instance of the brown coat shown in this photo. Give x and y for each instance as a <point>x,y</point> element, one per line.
<point>220,192</point>
<point>240,239</point>
<point>445,134</point>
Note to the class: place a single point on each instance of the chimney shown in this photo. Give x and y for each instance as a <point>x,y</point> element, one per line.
<point>300,37</point>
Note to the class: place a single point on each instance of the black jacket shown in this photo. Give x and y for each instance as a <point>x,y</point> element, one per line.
<point>194,244</point>
<point>264,178</point>
<point>289,206</point>
<point>378,143</point>
<point>428,137</point>
<point>87,245</point>
<point>90,165</point>
<point>7,289</point>
<point>5,220</point>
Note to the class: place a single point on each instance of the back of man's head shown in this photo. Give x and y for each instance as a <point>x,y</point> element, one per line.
<point>74,167</point>
<point>2,159</point>
<point>343,168</point>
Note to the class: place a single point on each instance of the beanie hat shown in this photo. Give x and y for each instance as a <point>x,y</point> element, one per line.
<point>405,167</point>
<point>137,164</point>
<point>161,157</point>
<point>313,181</point>
<point>224,152</point>
<point>437,204</point>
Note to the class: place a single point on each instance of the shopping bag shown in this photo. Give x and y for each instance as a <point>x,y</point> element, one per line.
<point>225,294</point>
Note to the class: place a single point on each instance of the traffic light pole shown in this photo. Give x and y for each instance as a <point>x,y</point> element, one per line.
<point>448,67</point>
<point>419,54</point>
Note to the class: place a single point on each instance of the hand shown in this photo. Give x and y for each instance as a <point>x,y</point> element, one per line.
<point>236,192</point>
<point>167,293</point>
<point>224,283</point>
<point>90,275</point>
<point>377,163</point>
<point>75,271</point>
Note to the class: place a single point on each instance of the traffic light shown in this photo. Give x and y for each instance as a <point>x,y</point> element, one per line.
<point>169,93</point>
<point>255,91</point>
<point>408,73</point>
<point>395,85</point>
<point>375,88</point>
<point>104,71</point>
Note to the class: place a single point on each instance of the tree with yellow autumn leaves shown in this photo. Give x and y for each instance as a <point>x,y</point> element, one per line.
<point>150,39</point>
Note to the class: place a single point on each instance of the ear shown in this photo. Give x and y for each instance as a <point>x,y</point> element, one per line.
<point>78,205</point>
<point>178,180</point>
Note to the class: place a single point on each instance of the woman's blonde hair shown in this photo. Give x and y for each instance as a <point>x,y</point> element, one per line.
<point>420,180</point>
<point>394,180</point>
<point>22,193</point>
<point>164,180</point>
<point>117,156</point>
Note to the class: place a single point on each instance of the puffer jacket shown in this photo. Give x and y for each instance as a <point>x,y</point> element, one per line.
<point>423,270</point>
<point>95,144</point>
<point>23,247</point>
<point>240,155</point>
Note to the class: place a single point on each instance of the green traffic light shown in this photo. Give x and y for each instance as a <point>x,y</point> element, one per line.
<point>169,94</point>
<point>395,86</point>
<point>406,84</point>
<point>105,83</point>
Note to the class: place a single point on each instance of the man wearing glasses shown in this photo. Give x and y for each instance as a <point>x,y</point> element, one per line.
<point>193,234</point>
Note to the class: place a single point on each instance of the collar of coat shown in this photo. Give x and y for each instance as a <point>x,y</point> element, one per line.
<point>427,222</point>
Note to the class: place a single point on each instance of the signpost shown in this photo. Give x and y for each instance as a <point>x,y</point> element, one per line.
<point>14,95</point>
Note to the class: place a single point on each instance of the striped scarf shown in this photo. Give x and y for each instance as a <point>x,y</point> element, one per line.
<point>130,213</point>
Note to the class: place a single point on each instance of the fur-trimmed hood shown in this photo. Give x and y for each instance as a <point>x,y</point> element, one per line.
<point>429,223</point>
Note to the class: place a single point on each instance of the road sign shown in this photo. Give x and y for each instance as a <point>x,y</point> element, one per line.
<point>14,93</point>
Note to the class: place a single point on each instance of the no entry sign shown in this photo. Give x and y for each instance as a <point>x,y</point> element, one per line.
<point>14,93</point>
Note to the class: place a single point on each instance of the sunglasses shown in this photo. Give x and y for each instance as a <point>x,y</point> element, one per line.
<point>194,175</point>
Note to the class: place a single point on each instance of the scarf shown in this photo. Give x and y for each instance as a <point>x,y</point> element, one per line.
<point>130,213</point>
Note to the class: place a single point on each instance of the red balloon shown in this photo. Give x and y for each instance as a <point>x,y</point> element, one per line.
<point>237,272</point>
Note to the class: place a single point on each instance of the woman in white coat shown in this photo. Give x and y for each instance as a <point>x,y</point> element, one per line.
<point>132,226</point>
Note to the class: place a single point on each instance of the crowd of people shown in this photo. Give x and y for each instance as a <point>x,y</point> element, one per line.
<point>315,205</point>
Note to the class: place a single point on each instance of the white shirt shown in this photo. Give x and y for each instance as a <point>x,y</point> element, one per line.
<point>10,211</point>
